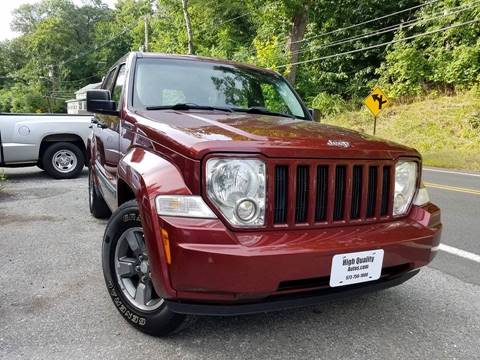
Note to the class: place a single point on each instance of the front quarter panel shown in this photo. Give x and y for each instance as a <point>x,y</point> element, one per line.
<point>149,175</point>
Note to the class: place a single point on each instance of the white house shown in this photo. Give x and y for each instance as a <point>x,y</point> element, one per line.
<point>79,104</point>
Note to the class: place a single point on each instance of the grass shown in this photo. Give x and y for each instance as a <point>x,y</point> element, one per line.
<point>445,129</point>
<point>3,178</point>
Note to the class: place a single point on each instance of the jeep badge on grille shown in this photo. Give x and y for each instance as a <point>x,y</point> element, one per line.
<point>338,143</point>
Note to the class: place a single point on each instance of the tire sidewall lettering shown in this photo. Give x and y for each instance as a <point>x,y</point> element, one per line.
<point>161,321</point>
<point>126,312</point>
<point>131,217</point>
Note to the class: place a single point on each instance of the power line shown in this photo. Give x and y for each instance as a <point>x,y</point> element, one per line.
<point>366,22</point>
<point>235,18</point>
<point>363,23</point>
<point>78,80</point>
<point>96,47</point>
<point>60,92</point>
<point>73,82</point>
<point>390,28</point>
<point>241,15</point>
<point>54,97</point>
<point>380,45</point>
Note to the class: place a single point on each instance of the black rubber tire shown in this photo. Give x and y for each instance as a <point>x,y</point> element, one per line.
<point>50,169</point>
<point>159,322</point>
<point>98,207</point>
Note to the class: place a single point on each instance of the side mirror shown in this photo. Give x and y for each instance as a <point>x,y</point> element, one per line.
<point>316,114</point>
<point>100,101</point>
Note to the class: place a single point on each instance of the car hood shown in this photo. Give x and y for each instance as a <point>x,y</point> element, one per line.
<point>197,133</point>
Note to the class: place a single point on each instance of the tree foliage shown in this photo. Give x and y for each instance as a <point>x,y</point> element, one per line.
<point>64,46</point>
<point>445,60</point>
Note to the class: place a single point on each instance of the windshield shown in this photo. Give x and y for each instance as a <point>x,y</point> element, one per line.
<point>163,82</point>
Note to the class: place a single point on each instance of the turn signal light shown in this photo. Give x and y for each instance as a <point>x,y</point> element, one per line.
<point>166,246</point>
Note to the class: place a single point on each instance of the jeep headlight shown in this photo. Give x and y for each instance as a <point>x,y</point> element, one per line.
<point>237,188</point>
<point>405,186</point>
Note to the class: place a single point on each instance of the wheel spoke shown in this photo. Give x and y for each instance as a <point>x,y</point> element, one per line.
<point>64,161</point>
<point>126,267</point>
<point>135,243</point>
<point>133,270</point>
<point>143,294</point>
<point>141,242</point>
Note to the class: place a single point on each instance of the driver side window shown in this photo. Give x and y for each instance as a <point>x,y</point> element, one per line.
<point>117,90</point>
<point>107,85</point>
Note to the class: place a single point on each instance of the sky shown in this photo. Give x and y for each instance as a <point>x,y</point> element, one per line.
<point>6,8</point>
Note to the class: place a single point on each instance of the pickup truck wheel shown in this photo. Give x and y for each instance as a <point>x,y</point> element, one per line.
<point>63,160</point>
<point>98,207</point>
<point>126,270</point>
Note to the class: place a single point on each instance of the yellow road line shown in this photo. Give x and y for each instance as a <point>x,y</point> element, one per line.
<point>452,188</point>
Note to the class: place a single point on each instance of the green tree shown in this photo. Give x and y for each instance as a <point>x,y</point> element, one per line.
<point>64,46</point>
<point>55,32</point>
<point>444,60</point>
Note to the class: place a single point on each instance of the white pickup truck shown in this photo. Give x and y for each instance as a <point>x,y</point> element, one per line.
<point>55,143</point>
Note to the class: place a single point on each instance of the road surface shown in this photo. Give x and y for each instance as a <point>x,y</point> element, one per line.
<point>458,195</point>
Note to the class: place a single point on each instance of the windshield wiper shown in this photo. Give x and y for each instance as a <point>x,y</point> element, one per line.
<point>260,110</point>
<point>188,106</point>
<point>192,106</point>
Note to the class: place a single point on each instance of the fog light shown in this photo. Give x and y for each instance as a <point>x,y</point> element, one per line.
<point>246,210</point>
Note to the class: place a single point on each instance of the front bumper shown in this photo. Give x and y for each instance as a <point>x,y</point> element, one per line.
<point>284,302</point>
<point>252,272</point>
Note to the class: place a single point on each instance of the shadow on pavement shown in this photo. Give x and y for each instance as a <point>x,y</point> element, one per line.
<point>32,173</point>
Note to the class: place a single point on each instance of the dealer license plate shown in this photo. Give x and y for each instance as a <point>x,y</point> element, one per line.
<point>356,267</point>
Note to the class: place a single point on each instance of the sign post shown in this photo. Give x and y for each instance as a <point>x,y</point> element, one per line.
<point>376,101</point>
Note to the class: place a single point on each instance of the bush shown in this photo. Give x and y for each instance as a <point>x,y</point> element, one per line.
<point>3,178</point>
<point>474,120</point>
<point>405,69</point>
<point>447,61</point>
<point>329,104</point>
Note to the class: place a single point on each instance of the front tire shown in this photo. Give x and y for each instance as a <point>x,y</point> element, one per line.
<point>127,275</point>
<point>63,160</point>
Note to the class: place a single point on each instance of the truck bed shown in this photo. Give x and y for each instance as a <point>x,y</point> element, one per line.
<point>21,135</point>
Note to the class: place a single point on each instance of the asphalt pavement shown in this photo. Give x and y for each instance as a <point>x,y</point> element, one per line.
<point>458,195</point>
<point>53,302</point>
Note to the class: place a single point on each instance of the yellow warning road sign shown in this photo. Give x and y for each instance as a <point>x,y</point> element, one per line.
<point>376,101</point>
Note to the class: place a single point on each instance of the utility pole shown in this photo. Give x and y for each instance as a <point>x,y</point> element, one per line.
<point>188,26</point>
<point>50,86</point>
<point>145,45</point>
<point>297,32</point>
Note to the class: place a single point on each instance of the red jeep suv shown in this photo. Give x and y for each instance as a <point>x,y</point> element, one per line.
<point>226,198</point>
